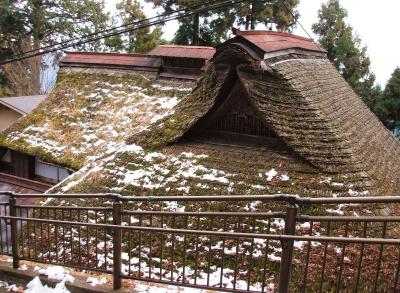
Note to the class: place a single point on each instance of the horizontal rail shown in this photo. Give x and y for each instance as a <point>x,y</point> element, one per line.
<point>305,218</point>
<point>348,200</point>
<point>197,286</point>
<point>357,240</point>
<point>64,208</point>
<point>291,199</point>
<point>64,196</point>
<point>206,214</point>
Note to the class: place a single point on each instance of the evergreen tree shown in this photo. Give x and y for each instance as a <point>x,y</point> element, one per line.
<point>184,34</point>
<point>60,20</point>
<point>344,49</point>
<point>390,106</point>
<point>11,27</point>
<point>31,24</point>
<point>213,27</point>
<point>11,32</point>
<point>141,40</point>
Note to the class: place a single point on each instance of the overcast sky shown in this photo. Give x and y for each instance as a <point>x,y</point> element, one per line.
<point>377,23</point>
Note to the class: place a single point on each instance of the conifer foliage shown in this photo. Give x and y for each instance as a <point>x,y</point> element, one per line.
<point>27,25</point>
<point>389,106</point>
<point>138,41</point>
<point>345,50</point>
<point>213,27</point>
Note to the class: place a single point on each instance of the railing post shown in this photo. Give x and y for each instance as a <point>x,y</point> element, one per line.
<point>117,245</point>
<point>14,232</point>
<point>287,249</point>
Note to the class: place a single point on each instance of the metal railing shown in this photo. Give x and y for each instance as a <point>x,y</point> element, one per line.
<point>141,238</point>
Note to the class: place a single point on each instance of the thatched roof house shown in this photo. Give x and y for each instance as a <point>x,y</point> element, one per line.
<point>269,115</point>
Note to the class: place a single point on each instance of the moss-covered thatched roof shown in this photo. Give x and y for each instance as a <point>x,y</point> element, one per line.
<point>130,132</point>
<point>91,112</point>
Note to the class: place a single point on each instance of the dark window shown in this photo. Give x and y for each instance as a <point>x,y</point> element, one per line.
<point>244,123</point>
<point>237,115</point>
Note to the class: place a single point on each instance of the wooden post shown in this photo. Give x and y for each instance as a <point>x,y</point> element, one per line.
<point>287,249</point>
<point>117,245</point>
<point>14,233</point>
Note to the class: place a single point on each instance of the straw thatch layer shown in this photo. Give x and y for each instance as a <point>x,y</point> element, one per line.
<point>90,112</point>
<point>313,110</point>
<point>351,137</point>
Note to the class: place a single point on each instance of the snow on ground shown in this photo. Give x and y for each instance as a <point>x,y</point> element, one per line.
<point>10,287</point>
<point>94,281</point>
<point>23,268</point>
<point>56,273</point>
<point>36,286</point>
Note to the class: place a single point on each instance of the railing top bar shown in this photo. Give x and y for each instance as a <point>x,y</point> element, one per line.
<point>306,218</point>
<point>349,200</point>
<point>387,241</point>
<point>63,196</point>
<point>272,197</point>
<point>292,199</point>
<point>63,207</point>
<point>278,197</point>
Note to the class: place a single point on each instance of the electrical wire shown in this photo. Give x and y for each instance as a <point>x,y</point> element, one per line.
<point>114,28</point>
<point>162,19</point>
<point>299,23</point>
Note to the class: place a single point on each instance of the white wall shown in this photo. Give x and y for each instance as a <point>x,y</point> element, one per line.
<point>50,171</point>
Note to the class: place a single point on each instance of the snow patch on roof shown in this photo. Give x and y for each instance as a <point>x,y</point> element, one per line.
<point>88,116</point>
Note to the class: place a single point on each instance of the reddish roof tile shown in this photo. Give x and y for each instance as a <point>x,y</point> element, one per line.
<point>21,185</point>
<point>115,59</point>
<point>200,52</point>
<point>270,41</point>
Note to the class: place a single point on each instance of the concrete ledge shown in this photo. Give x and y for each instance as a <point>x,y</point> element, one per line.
<point>22,278</point>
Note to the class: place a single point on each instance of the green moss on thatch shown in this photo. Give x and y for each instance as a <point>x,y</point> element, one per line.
<point>187,112</point>
<point>87,113</point>
<point>198,169</point>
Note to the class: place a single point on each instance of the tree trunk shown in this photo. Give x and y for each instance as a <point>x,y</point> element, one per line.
<point>196,22</point>
<point>36,65</point>
<point>252,19</point>
<point>37,32</point>
<point>247,22</point>
<point>23,76</point>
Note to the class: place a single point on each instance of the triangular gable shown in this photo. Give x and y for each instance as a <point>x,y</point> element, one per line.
<point>236,120</point>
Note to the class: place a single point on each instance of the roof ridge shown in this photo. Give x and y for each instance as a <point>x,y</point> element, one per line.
<point>108,53</point>
<point>276,33</point>
<point>187,46</point>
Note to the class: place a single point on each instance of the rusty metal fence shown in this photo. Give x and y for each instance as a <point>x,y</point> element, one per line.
<point>142,238</point>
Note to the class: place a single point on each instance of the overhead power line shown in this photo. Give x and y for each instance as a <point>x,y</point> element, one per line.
<point>114,28</point>
<point>298,22</point>
<point>178,14</point>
